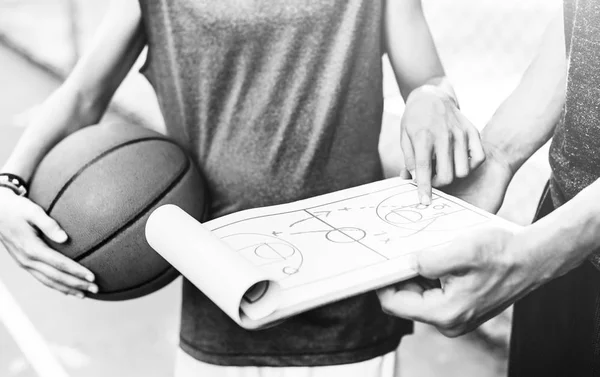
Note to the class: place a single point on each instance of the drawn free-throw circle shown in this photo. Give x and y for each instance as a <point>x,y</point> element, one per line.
<point>403,216</point>
<point>266,251</point>
<point>345,235</point>
<point>274,250</point>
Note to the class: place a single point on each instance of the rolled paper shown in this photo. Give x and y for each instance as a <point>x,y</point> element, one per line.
<point>224,276</point>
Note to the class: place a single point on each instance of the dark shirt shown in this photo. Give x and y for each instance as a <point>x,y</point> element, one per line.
<point>575,149</point>
<point>276,101</point>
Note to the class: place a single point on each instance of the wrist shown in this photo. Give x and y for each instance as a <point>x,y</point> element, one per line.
<point>573,228</point>
<point>553,246</point>
<point>510,146</point>
<point>439,87</point>
<point>7,190</point>
<point>498,154</point>
<point>532,256</point>
<point>14,183</point>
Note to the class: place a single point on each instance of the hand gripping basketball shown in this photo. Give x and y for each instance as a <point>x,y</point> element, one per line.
<point>100,184</point>
<point>21,223</point>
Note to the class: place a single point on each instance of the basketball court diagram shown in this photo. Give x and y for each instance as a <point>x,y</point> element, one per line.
<point>348,233</point>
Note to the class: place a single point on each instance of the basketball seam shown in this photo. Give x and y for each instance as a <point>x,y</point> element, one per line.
<point>139,215</point>
<point>164,272</point>
<point>96,159</point>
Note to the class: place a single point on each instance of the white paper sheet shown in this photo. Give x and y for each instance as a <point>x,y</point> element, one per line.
<point>315,250</point>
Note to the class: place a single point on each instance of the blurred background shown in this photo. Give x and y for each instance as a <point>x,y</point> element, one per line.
<point>485,46</point>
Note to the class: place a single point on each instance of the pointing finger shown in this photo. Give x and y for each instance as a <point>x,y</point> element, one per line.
<point>423,148</point>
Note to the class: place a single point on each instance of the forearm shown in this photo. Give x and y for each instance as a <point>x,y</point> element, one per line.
<point>566,237</point>
<point>86,93</point>
<point>410,48</point>
<point>527,118</point>
<point>61,113</point>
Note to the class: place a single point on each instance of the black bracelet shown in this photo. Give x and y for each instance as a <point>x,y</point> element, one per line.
<point>15,183</point>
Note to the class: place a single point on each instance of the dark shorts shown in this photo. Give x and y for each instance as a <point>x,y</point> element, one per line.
<point>555,328</point>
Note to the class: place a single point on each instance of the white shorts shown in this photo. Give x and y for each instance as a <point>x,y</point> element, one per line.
<point>382,366</point>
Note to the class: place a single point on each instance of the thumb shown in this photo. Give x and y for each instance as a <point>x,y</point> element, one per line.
<point>444,260</point>
<point>46,224</point>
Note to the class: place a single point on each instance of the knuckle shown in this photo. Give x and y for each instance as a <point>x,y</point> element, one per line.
<point>479,159</point>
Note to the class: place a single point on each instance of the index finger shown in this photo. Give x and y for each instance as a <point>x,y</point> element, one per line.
<point>42,253</point>
<point>423,148</point>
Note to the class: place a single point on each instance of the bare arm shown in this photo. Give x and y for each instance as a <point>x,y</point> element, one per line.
<point>410,47</point>
<point>527,118</point>
<point>522,124</point>
<point>79,102</point>
<point>84,96</point>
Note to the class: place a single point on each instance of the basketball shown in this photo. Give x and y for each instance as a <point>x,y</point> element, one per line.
<point>100,184</point>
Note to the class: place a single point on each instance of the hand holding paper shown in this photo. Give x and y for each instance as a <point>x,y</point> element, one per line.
<point>293,257</point>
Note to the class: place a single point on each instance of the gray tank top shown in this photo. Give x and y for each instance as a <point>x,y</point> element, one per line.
<point>575,148</point>
<point>276,100</point>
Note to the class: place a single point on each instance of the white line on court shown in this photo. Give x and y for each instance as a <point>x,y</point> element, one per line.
<point>29,340</point>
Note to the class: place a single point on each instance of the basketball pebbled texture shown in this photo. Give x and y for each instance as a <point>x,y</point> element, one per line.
<point>101,184</point>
